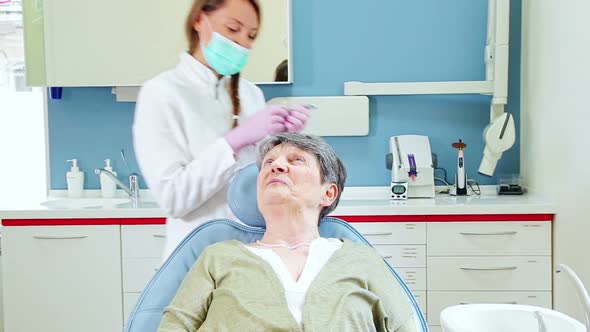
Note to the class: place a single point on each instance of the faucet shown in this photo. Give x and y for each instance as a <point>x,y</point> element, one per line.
<point>132,190</point>
<point>582,293</point>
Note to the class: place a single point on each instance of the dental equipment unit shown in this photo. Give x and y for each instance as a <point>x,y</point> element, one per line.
<point>410,162</point>
<point>581,290</point>
<point>460,188</point>
<point>496,57</point>
<point>498,137</point>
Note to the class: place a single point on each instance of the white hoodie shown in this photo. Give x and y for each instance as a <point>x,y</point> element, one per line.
<point>181,116</point>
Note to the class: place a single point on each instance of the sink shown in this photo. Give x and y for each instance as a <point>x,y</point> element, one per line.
<point>506,318</point>
<point>140,205</point>
<point>84,203</point>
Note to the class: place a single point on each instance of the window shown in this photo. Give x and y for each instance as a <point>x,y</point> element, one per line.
<point>23,163</point>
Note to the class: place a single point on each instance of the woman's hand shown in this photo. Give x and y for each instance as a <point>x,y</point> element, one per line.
<point>297,118</point>
<point>268,121</point>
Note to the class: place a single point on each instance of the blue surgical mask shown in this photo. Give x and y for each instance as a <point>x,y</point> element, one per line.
<point>224,55</point>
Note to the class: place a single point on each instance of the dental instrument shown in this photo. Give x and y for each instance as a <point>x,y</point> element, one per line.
<point>410,162</point>
<point>498,137</point>
<point>460,176</point>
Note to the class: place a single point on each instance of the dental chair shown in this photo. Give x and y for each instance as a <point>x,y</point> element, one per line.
<point>160,291</point>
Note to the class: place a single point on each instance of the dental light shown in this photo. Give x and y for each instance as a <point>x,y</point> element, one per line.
<point>498,136</point>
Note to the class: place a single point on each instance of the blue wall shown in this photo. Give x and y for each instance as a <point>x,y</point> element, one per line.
<point>336,41</point>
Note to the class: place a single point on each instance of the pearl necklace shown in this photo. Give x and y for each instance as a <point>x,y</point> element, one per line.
<point>302,244</point>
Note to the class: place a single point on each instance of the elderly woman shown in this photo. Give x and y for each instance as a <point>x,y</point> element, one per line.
<point>292,279</point>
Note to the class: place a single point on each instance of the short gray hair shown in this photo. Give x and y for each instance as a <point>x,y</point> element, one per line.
<point>331,168</point>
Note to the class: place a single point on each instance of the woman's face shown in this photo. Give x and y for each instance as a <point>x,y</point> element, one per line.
<point>290,174</point>
<point>236,20</point>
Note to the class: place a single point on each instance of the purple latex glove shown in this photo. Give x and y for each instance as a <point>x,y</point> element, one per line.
<point>268,121</point>
<point>297,118</point>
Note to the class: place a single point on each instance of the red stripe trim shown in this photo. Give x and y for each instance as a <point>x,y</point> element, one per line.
<point>376,218</point>
<point>59,222</point>
<point>397,218</point>
<point>451,217</point>
<point>492,217</point>
<point>143,221</point>
<point>83,222</point>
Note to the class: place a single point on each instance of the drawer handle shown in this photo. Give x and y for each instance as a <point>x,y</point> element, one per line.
<point>501,268</point>
<point>160,235</point>
<point>388,256</point>
<point>490,233</point>
<point>53,237</point>
<point>508,302</point>
<point>377,233</point>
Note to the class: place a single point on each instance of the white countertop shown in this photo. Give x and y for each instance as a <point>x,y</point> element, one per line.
<point>354,201</point>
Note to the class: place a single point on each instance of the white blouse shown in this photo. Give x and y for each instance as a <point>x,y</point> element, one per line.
<point>320,251</point>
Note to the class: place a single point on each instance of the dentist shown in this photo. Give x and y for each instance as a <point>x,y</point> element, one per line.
<point>195,125</point>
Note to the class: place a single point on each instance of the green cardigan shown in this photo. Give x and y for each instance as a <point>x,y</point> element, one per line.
<point>231,289</point>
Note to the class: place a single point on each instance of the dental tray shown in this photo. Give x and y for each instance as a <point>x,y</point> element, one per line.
<point>510,189</point>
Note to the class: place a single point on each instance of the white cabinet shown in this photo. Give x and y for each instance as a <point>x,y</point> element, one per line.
<point>489,238</point>
<point>490,273</point>
<point>102,43</point>
<point>124,43</point>
<point>92,276</point>
<point>1,296</point>
<point>487,262</point>
<point>143,241</point>
<point>392,232</point>
<point>452,263</point>
<point>142,249</point>
<point>403,245</point>
<point>62,278</point>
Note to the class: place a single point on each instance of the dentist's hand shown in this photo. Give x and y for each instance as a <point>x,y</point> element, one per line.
<point>268,121</point>
<point>297,118</point>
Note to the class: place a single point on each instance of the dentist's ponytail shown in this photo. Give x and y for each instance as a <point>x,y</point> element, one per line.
<point>234,92</point>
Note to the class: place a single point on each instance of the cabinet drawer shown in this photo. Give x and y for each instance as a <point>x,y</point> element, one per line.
<point>403,255</point>
<point>62,278</point>
<point>138,272</point>
<point>143,241</point>
<point>392,232</point>
<point>129,301</point>
<point>437,301</point>
<point>490,273</point>
<point>434,328</point>
<point>489,238</point>
<point>415,278</point>
<point>420,297</point>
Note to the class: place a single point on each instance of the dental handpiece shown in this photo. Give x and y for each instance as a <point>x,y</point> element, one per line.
<point>309,107</point>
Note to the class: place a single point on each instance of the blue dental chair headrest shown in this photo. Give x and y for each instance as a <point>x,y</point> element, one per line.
<point>241,195</point>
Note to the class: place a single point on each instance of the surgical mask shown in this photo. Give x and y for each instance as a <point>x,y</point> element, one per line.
<point>224,55</point>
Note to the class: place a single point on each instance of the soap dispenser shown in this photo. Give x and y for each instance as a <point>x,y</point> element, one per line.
<point>108,187</point>
<point>75,179</point>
